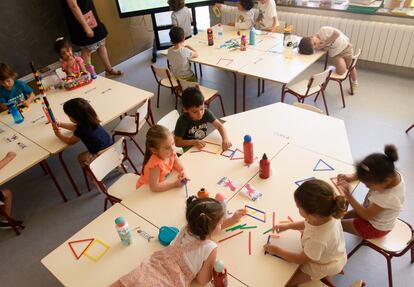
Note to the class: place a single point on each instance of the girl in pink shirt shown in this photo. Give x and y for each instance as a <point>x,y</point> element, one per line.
<point>70,63</point>
<point>160,160</point>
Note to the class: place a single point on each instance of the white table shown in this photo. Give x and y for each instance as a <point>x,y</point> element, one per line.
<point>28,154</point>
<point>109,98</point>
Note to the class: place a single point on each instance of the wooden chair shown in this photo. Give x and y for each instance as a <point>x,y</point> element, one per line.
<point>14,223</point>
<point>130,125</point>
<point>340,78</point>
<point>169,121</point>
<point>407,130</point>
<point>121,147</point>
<point>394,244</point>
<point>308,107</point>
<point>314,86</point>
<point>164,78</point>
<point>208,94</point>
<point>358,283</point>
<point>106,162</point>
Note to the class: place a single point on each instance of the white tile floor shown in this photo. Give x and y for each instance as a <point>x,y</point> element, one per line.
<point>377,115</point>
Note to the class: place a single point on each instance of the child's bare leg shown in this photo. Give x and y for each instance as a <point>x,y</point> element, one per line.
<point>117,284</point>
<point>298,278</point>
<point>340,65</point>
<point>354,75</point>
<point>86,55</point>
<point>7,201</point>
<point>348,226</point>
<point>85,158</point>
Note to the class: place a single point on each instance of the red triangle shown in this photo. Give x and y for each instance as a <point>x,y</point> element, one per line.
<point>79,241</point>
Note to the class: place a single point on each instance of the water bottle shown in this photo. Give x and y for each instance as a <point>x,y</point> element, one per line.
<point>91,69</point>
<point>219,274</point>
<point>252,36</point>
<point>15,113</point>
<point>264,171</point>
<point>248,149</point>
<point>220,198</point>
<point>210,38</point>
<point>243,43</point>
<point>220,32</point>
<point>123,231</point>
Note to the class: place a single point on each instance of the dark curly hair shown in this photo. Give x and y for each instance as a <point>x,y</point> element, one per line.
<point>305,46</point>
<point>247,4</point>
<point>176,5</point>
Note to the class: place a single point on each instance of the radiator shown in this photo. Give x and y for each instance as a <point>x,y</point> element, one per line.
<point>380,42</point>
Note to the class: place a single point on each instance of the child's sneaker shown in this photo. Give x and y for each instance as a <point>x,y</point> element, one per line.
<point>5,225</point>
<point>354,88</point>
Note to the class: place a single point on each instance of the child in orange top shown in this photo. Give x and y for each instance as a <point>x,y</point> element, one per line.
<point>159,160</point>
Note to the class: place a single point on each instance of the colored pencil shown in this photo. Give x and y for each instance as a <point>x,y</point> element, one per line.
<point>212,143</point>
<point>255,218</point>
<point>273,220</point>
<point>290,219</point>
<point>221,240</point>
<point>258,210</point>
<point>268,241</point>
<point>236,227</point>
<point>248,227</point>
<point>250,243</point>
<point>267,231</point>
<point>284,221</point>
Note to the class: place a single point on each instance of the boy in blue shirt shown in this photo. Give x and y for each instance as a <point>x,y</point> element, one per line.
<point>12,90</point>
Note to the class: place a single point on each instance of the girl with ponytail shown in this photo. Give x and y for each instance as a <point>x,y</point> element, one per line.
<point>192,254</point>
<point>160,160</point>
<point>383,203</point>
<point>322,239</point>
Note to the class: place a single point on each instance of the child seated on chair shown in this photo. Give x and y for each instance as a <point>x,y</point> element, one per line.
<point>160,160</point>
<point>181,16</point>
<point>384,201</point>
<point>179,55</point>
<point>322,237</point>
<point>338,47</point>
<point>12,90</point>
<point>244,13</point>
<point>6,195</point>
<point>70,63</point>
<point>267,17</point>
<point>191,126</point>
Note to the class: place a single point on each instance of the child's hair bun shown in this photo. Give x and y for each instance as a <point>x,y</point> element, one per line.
<point>391,152</point>
<point>340,207</point>
<point>190,200</point>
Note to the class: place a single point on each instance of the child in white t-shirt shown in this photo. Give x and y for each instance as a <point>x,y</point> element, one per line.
<point>179,54</point>
<point>267,17</point>
<point>244,13</point>
<point>322,240</point>
<point>191,255</point>
<point>338,46</point>
<point>384,201</point>
<point>181,16</point>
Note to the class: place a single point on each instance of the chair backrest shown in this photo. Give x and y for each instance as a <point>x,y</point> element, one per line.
<point>183,84</point>
<point>308,107</point>
<point>354,61</point>
<point>142,111</point>
<point>108,160</point>
<point>162,73</point>
<point>169,120</point>
<point>319,80</point>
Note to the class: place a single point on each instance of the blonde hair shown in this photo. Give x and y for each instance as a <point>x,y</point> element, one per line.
<point>155,136</point>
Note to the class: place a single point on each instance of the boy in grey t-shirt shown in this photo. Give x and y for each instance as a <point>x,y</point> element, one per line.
<point>179,55</point>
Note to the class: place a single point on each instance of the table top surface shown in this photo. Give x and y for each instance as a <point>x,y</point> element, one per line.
<point>27,152</point>
<point>109,98</point>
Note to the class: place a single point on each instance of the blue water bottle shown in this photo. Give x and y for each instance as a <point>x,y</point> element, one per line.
<point>252,36</point>
<point>14,111</point>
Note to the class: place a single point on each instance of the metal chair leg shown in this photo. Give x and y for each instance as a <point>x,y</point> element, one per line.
<point>407,130</point>
<point>135,142</point>
<point>342,94</point>
<point>324,102</point>
<point>158,96</point>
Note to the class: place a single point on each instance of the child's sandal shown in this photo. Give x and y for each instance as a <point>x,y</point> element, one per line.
<point>113,73</point>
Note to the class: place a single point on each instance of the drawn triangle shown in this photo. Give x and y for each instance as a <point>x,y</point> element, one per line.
<point>79,247</point>
<point>299,182</point>
<point>322,166</point>
<point>238,154</point>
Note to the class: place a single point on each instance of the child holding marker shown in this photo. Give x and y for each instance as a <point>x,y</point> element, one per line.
<point>191,126</point>
<point>181,16</point>
<point>323,241</point>
<point>384,201</point>
<point>191,255</point>
<point>70,63</point>
<point>160,160</point>
<point>12,90</point>
<point>267,18</point>
<point>244,13</point>
<point>86,128</point>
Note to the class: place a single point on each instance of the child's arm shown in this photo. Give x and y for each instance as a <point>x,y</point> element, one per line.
<point>180,142</point>
<point>238,214</point>
<point>347,177</point>
<point>29,99</point>
<point>73,6</point>
<point>3,107</point>
<point>206,271</point>
<point>194,53</point>
<point>8,158</point>
<point>225,142</point>
<point>179,167</point>
<point>66,139</point>
<point>298,225</point>
<point>273,27</point>
<point>66,126</point>
<point>298,258</point>
<point>329,41</point>
<point>156,186</point>
<point>366,213</point>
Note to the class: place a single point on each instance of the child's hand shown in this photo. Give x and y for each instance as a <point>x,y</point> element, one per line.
<point>345,177</point>
<point>281,227</point>
<point>226,144</point>
<point>218,5</point>
<point>26,103</point>
<point>10,155</point>
<point>344,187</point>
<point>271,249</point>
<point>89,32</point>
<point>56,129</point>
<point>199,144</point>
<point>238,214</point>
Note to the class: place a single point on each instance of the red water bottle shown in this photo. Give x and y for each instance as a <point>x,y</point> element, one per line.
<point>248,149</point>
<point>210,37</point>
<point>264,171</point>
<point>219,274</point>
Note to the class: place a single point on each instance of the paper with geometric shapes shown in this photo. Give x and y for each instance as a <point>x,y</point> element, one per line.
<point>321,165</point>
<point>299,182</point>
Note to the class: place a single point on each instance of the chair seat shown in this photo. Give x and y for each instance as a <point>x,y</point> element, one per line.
<point>315,283</point>
<point>166,83</point>
<point>124,186</point>
<point>337,76</point>
<point>128,125</point>
<point>396,240</point>
<point>207,93</point>
<point>301,87</point>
